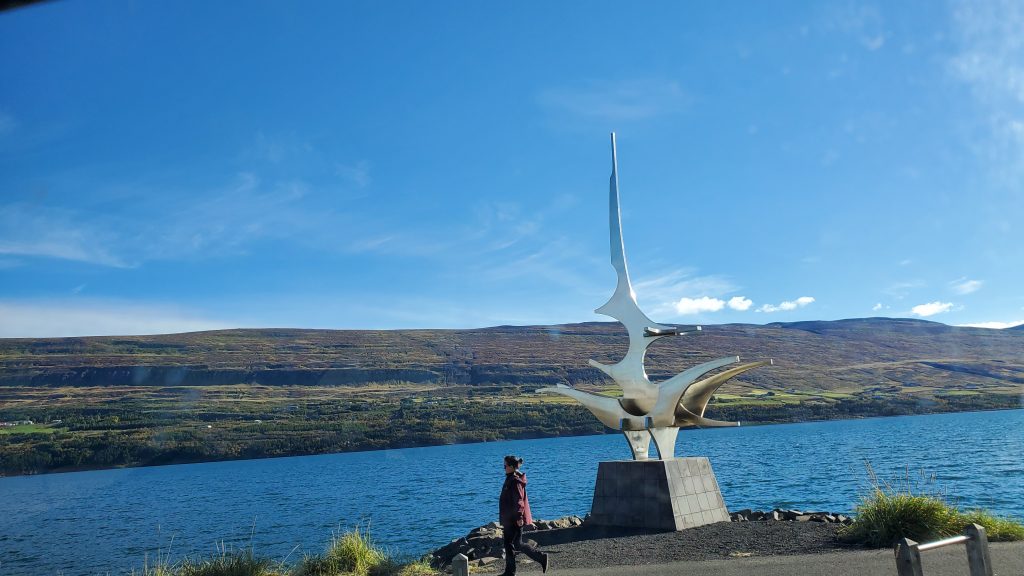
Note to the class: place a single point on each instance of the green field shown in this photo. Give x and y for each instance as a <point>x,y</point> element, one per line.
<point>27,429</point>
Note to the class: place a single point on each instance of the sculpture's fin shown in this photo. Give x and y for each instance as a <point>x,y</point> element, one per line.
<point>606,368</point>
<point>697,396</point>
<point>605,408</point>
<point>686,418</point>
<point>671,390</point>
<point>622,305</point>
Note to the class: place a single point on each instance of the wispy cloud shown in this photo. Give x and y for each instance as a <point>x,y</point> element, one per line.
<point>787,305</point>
<point>964,286</point>
<point>900,290</point>
<point>37,231</point>
<point>43,319</point>
<point>662,294</point>
<point>617,101</point>
<point>859,20</point>
<point>277,149</point>
<point>993,325</point>
<point>876,307</point>
<point>931,308</point>
<point>358,173</point>
<point>7,124</point>
<point>154,224</point>
<point>991,62</point>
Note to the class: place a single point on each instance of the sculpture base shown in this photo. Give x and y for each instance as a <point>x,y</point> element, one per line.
<point>672,494</point>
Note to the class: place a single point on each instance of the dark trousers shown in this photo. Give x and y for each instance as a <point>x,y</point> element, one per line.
<point>513,537</point>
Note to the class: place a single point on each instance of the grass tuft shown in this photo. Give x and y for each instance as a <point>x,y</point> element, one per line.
<point>891,511</point>
<point>354,554</point>
<point>997,529</point>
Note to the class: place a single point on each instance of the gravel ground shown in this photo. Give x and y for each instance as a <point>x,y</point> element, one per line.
<point>585,547</point>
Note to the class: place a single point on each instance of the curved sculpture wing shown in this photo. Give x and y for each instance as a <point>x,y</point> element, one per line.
<point>670,391</point>
<point>605,408</point>
<point>695,399</point>
<point>686,418</point>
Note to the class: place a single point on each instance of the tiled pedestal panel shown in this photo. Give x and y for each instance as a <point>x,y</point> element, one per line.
<point>672,494</point>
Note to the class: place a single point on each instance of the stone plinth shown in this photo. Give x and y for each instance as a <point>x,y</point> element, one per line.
<point>672,494</point>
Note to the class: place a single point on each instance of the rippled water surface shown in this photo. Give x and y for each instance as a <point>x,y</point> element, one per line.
<point>417,499</point>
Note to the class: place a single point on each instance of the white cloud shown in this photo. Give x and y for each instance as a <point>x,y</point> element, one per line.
<point>876,307</point>
<point>97,318</point>
<point>687,306</point>
<point>931,308</point>
<point>740,303</point>
<point>629,100</point>
<point>993,325</point>
<point>964,286</point>
<point>788,305</point>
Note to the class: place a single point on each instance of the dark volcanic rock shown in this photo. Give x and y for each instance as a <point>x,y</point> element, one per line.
<point>587,546</point>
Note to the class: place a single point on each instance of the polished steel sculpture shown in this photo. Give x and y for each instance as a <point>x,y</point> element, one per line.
<point>648,411</point>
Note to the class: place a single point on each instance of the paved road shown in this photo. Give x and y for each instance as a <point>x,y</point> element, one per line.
<point>1007,560</point>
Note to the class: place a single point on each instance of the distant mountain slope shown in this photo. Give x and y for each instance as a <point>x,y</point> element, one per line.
<point>126,401</point>
<point>821,355</point>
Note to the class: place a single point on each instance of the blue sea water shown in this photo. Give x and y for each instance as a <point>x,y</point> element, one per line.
<point>413,500</point>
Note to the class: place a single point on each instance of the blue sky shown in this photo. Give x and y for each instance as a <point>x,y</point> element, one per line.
<point>168,167</point>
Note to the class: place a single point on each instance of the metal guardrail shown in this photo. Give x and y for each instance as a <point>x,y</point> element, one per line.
<point>908,552</point>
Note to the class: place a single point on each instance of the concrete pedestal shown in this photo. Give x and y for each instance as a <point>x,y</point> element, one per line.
<point>672,494</point>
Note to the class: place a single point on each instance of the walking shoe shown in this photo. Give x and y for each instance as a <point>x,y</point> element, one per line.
<point>544,563</point>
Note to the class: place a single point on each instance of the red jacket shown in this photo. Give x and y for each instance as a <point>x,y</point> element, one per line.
<point>513,505</point>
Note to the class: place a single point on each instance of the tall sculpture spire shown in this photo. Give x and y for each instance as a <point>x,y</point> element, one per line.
<point>647,410</point>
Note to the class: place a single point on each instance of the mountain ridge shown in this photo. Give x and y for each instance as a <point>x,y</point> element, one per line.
<point>249,393</point>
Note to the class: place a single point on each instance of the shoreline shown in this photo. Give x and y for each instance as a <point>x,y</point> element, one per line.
<point>78,469</point>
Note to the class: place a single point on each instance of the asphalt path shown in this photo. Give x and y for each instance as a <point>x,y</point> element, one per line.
<point>1007,560</point>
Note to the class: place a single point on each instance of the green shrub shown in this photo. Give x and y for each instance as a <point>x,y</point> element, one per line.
<point>885,517</point>
<point>891,512</point>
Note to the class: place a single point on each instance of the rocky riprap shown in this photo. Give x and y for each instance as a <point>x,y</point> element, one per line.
<point>573,542</point>
<point>779,515</point>
<point>483,545</point>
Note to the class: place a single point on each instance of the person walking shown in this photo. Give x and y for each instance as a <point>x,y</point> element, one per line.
<point>513,514</point>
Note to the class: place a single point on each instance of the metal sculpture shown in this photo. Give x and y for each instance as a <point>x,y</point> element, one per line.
<point>648,411</point>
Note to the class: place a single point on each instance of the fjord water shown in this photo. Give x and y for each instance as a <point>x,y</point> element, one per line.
<point>413,500</point>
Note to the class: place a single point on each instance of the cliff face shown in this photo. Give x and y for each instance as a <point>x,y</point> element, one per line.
<point>822,355</point>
